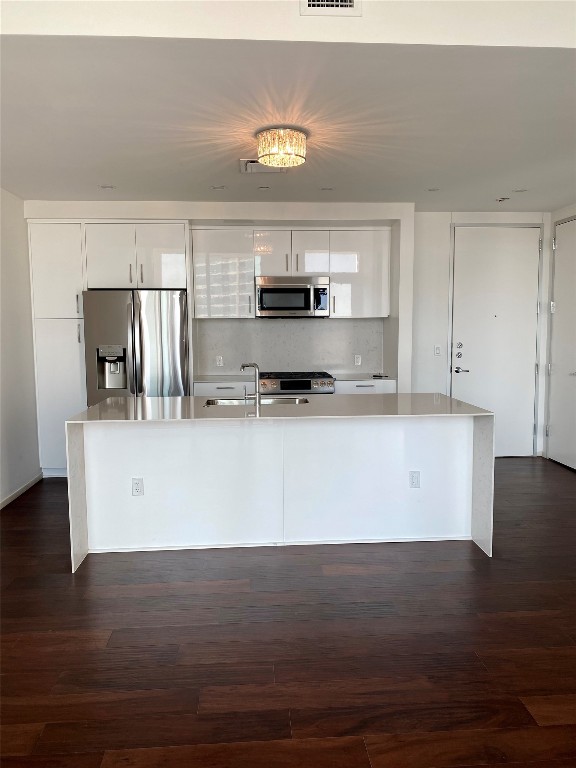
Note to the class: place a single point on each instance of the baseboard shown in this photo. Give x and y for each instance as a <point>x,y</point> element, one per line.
<point>20,491</point>
<point>54,472</point>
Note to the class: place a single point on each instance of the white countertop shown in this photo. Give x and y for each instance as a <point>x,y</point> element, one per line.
<point>147,409</point>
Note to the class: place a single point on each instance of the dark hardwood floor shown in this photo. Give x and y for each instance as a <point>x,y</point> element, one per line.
<point>424,655</point>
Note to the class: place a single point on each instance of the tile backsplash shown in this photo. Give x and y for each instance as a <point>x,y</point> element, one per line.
<point>289,345</point>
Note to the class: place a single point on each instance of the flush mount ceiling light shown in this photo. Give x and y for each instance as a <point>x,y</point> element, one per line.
<point>281,147</point>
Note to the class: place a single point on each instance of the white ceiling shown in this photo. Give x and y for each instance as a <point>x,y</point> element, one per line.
<point>168,119</point>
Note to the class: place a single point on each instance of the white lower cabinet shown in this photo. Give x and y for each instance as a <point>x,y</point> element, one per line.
<point>365,387</point>
<point>61,386</point>
<point>223,389</point>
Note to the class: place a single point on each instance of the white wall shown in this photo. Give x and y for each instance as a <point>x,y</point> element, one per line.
<point>19,464</point>
<point>432,22</point>
<point>431,288</point>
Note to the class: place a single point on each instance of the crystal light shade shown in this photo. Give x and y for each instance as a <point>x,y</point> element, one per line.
<point>281,147</point>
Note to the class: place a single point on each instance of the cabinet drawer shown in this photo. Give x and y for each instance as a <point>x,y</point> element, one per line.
<point>365,387</point>
<point>232,389</point>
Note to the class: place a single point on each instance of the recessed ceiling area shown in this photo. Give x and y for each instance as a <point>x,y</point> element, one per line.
<point>446,127</point>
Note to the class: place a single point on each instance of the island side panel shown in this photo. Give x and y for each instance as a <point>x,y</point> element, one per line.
<point>76,493</point>
<point>483,483</point>
<point>206,484</point>
<point>347,479</point>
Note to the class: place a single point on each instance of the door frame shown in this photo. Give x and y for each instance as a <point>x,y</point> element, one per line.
<point>537,345</point>
<point>551,332</point>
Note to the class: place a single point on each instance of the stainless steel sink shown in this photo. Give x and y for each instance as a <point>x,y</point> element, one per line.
<point>263,401</point>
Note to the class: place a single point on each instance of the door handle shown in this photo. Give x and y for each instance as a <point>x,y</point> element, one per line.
<point>461,370</point>
<point>297,263</point>
<point>77,303</point>
<point>249,304</point>
<point>130,270</point>
<point>333,305</point>
<point>142,274</point>
<point>286,262</point>
<point>78,335</point>
<point>129,346</point>
<point>225,387</point>
<point>365,386</point>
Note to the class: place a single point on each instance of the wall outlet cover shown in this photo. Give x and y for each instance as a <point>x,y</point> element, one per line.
<point>357,359</point>
<point>414,479</point>
<point>137,486</point>
<point>219,361</point>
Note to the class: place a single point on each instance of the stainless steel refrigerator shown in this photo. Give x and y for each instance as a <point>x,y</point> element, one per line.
<point>136,344</point>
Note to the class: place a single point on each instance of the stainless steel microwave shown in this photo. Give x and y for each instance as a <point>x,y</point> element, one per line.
<point>292,297</point>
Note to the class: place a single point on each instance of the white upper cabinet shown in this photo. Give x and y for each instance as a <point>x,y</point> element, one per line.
<point>161,255</point>
<point>111,255</point>
<point>291,253</point>
<point>310,252</point>
<point>273,253</point>
<point>136,255</point>
<point>223,272</point>
<point>360,273</point>
<point>57,281</point>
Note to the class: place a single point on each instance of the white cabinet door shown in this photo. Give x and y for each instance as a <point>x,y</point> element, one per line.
<point>161,255</point>
<point>273,252</point>
<point>60,383</point>
<point>223,389</point>
<point>365,387</point>
<point>57,282</point>
<point>111,255</point>
<point>359,273</point>
<point>310,252</point>
<point>223,273</point>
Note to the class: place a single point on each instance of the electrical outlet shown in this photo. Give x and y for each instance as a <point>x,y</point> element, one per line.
<point>137,486</point>
<point>219,361</point>
<point>357,359</point>
<point>414,479</point>
<point>437,350</point>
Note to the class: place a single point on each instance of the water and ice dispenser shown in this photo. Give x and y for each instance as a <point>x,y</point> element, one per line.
<point>111,366</point>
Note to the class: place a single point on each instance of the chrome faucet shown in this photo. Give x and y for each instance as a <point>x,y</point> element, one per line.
<point>256,382</point>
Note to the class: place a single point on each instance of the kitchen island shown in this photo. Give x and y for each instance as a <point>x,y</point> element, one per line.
<point>332,469</point>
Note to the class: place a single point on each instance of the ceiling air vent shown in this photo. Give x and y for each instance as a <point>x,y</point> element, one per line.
<point>253,166</point>
<point>330,7</point>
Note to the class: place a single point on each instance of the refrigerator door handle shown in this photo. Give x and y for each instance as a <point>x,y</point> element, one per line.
<point>138,344</point>
<point>129,347</point>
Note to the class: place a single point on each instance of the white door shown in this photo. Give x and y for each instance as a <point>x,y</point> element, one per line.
<point>223,273</point>
<point>111,255</point>
<point>494,326</point>
<point>161,255</point>
<point>61,385</point>
<point>310,252</point>
<point>562,397</point>
<point>272,252</point>
<point>57,282</point>
<point>359,273</point>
